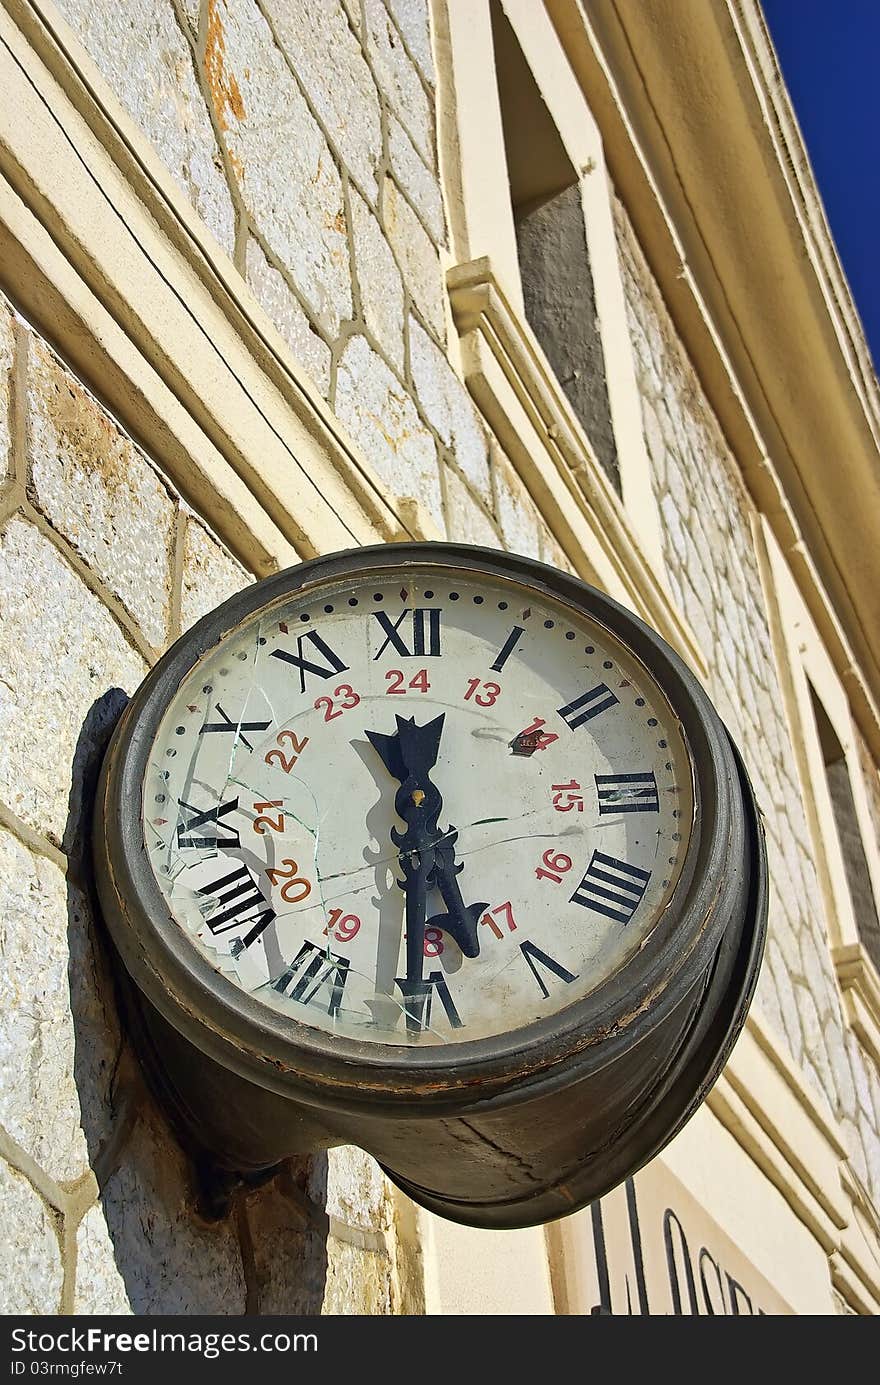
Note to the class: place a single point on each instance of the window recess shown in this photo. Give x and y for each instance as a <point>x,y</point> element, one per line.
<point>554,262</point>
<point>846,822</point>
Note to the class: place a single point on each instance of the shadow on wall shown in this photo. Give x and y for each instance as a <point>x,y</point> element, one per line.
<point>144,1248</point>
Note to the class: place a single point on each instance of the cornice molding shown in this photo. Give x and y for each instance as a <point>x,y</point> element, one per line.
<point>523,403</point>
<point>105,257</point>
<point>740,248</point>
<point>860,989</point>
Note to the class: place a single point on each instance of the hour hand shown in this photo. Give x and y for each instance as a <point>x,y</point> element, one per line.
<point>412,751</point>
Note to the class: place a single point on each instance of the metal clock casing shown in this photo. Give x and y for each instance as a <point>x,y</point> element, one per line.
<point>518,1125</point>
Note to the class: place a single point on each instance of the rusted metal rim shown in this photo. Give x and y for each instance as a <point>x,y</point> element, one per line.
<point>278,1052</point>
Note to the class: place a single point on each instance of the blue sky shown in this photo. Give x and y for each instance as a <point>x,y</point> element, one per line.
<point>829,51</point>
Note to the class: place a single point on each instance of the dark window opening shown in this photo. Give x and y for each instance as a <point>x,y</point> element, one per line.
<point>846,822</point>
<point>557,281</point>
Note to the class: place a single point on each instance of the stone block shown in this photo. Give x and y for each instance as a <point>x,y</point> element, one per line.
<point>97,490</point>
<point>210,574</point>
<point>290,1251</point>
<point>358,1281</point>
<point>280,303</point>
<point>413,22</point>
<point>58,1040</point>
<point>398,79</point>
<point>285,171</point>
<point>330,64</point>
<point>384,422</point>
<point>836,1043</point>
<point>62,651</point>
<point>357,1190</point>
<point>100,1288</point>
<point>170,1262</point>
<point>143,55</point>
<point>465,520</point>
<point>7,351</point>
<point>379,281</point>
<point>449,409</point>
<point>416,255</point>
<point>418,182</point>
<point>30,1258</point>
<point>519,520</point>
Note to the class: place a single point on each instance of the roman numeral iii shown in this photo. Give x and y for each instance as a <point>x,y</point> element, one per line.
<point>627,793</point>
<point>612,887</point>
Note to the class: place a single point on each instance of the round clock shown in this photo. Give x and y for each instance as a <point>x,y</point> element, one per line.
<point>437,851</point>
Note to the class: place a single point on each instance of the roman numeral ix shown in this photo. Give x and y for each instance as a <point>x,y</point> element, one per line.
<point>187,835</point>
<point>612,887</point>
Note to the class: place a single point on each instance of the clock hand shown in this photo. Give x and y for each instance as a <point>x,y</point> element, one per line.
<point>409,756</point>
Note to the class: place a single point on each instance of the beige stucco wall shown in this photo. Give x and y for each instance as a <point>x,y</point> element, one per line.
<point>305,139</point>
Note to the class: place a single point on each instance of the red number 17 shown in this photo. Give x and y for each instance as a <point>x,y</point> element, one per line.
<point>507,913</point>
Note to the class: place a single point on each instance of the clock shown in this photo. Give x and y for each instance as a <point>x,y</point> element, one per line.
<point>438,851</point>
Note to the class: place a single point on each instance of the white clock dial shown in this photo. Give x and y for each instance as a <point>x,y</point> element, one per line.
<point>418,814</point>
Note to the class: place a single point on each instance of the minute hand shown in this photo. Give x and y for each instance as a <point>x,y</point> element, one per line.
<point>410,756</point>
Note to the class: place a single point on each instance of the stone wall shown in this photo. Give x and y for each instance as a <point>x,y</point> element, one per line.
<point>303,134</point>
<point>101,565</point>
<point>713,572</point>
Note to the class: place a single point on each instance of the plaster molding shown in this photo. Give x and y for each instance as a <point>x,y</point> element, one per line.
<point>761,395</point>
<point>522,401</point>
<point>860,989</point>
<point>790,1132</point>
<point>84,190</point>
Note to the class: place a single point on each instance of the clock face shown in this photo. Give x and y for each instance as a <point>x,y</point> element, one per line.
<point>418,811</point>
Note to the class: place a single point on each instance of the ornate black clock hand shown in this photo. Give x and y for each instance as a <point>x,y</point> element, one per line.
<point>410,755</point>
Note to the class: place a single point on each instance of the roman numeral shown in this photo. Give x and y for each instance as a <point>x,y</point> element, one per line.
<point>232,724</point>
<point>417,997</point>
<point>587,706</point>
<point>185,837</point>
<point>534,955</point>
<point>507,648</point>
<point>425,634</point>
<point>611,887</point>
<point>312,968</point>
<point>332,662</point>
<point>236,895</point>
<point>627,793</point>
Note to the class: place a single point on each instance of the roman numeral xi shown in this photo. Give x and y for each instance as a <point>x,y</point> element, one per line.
<point>312,641</point>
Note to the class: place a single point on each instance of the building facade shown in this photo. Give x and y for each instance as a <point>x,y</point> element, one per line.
<point>283,277</point>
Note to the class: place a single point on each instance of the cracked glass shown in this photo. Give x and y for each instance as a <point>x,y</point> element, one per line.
<point>418,813</point>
